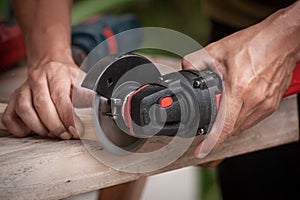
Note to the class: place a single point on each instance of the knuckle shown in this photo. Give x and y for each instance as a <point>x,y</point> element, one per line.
<point>228,127</point>
<point>35,74</point>
<point>39,101</point>
<point>22,106</point>
<point>6,119</point>
<point>270,105</point>
<point>222,138</point>
<point>53,67</point>
<point>17,131</point>
<point>53,64</point>
<point>255,96</point>
<point>39,129</point>
<point>57,131</point>
<point>57,96</point>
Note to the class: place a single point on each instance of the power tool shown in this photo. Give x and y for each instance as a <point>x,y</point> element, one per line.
<point>135,101</point>
<point>145,114</point>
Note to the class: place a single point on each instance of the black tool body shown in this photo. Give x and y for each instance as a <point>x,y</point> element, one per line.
<point>142,102</point>
<point>156,107</point>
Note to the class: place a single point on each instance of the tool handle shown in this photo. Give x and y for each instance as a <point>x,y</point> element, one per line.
<point>295,82</point>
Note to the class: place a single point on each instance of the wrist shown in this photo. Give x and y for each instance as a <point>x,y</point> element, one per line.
<point>285,27</point>
<point>291,19</point>
<point>278,35</point>
<point>49,43</point>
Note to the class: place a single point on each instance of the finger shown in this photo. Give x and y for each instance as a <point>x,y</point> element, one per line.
<point>267,104</point>
<point>82,97</point>
<point>26,112</point>
<point>263,110</point>
<point>60,95</point>
<point>252,102</point>
<point>12,122</point>
<point>78,130</point>
<point>60,90</point>
<point>198,60</point>
<point>46,109</point>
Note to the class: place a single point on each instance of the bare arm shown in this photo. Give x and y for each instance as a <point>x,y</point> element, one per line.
<point>46,28</point>
<point>43,103</point>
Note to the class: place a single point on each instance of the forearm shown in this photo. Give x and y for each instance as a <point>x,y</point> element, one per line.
<point>46,29</point>
<point>43,103</point>
<point>292,17</point>
<point>281,32</point>
<point>275,40</point>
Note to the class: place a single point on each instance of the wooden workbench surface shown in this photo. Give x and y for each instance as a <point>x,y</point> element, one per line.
<point>38,168</point>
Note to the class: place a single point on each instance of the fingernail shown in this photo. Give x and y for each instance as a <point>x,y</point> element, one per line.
<point>199,151</point>
<point>202,155</point>
<point>203,150</point>
<point>74,131</point>
<point>65,136</point>
<point>57,132</point>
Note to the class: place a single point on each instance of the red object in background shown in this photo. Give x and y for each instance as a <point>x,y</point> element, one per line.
<point>12,47</point>
<point>294,87</point>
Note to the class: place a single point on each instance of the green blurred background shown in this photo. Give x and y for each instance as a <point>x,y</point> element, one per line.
<point>183,16</point>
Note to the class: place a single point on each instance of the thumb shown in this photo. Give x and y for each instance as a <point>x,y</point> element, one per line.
<point>198,60</point>
<point>82,97</point>
<point>79,130</point>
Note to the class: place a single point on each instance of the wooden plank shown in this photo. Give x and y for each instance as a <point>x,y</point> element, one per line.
<point>37,168</point>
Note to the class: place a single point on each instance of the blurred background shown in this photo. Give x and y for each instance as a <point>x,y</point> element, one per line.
<point>187,17</point>
<point>183,16</point>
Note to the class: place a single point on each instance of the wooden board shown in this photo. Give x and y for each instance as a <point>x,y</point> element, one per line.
<point>38,168</point>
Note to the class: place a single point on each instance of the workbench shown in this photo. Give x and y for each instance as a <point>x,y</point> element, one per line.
<point>43,168</point>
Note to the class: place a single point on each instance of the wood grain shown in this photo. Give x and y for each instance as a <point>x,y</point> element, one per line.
<point>39,168</point>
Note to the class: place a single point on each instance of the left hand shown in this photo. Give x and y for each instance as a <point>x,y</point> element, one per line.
<point>43,104</point>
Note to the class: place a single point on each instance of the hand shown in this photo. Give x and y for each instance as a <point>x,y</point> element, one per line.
<point>43,104</point>
<point>256,66</point>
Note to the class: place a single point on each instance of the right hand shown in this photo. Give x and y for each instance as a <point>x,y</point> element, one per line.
<point>256,66</point>
<point>43,103</point>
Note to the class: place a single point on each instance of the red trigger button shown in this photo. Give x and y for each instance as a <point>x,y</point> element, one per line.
<point>166,102</point>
